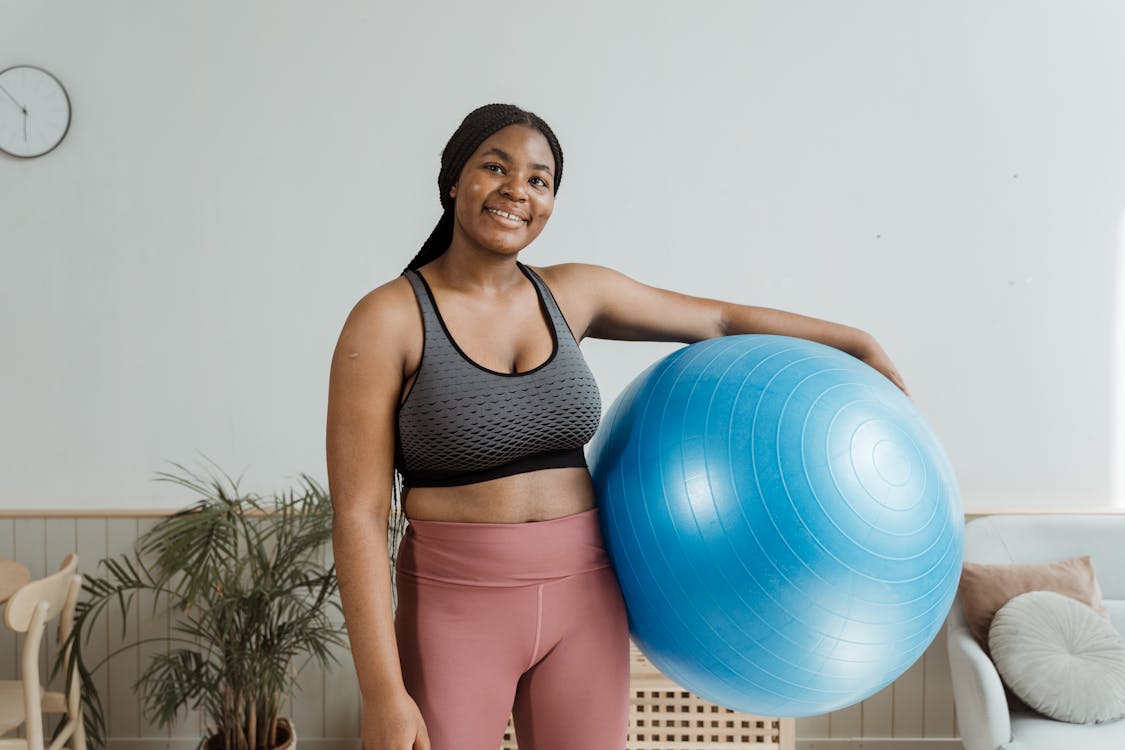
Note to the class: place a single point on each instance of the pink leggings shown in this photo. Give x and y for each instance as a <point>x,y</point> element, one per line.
<point>519,618</point>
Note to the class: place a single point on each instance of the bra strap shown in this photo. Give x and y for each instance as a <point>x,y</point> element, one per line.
<point>431,324</point>
<point>558,320</point>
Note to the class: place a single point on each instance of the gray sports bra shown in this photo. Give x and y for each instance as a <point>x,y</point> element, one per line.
<point>463,423</point>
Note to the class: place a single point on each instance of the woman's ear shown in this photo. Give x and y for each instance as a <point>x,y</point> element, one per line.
<point>453,192</point>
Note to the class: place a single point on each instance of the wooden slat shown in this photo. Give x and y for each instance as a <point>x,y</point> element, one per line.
<point>150,625</point>
<point>11,641</point>
<point>846,723</point>
<point>938,718</point>
<point>60,540</point>
<point>31,536</point>
<point>308,704</point>
<point>121,703</point>
<point>878,711</point>
<point>9,644</point>
<point>815,726</point>
<point>189,722</point>
<point>908,697</point>
<point>91,548</point>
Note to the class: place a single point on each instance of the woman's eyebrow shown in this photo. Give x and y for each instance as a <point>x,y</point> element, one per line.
<point>507,157</point>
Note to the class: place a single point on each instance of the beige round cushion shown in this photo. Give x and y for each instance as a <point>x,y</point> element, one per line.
<point>1060,657</point>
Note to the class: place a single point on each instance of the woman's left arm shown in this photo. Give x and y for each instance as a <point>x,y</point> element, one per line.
<point>619,307</point>
<point>856,342</point>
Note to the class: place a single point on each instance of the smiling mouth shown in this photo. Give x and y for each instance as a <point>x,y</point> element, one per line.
<point>505,215</point>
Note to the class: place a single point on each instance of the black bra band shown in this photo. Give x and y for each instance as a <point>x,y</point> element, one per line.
<point>551,460</point>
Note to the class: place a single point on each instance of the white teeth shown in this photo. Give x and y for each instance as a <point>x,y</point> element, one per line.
<point>505,214</point>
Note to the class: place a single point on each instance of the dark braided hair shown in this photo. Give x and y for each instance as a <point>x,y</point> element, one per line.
<point>474,129</point>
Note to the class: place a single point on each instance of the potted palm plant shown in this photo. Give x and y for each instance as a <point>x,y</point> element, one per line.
<point>247,595</point>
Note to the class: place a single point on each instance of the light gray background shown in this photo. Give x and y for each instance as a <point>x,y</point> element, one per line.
<point>949,176</point>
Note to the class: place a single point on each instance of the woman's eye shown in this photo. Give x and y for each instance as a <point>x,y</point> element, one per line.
<point>489,167</point>
<point>542,182</point>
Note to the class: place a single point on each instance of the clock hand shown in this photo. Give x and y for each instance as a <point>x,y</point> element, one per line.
<point>11,97</point>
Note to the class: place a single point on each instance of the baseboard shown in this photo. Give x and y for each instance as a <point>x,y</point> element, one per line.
<point>881,743</point>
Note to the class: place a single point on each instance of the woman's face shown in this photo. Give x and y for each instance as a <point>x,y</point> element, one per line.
<point>505,193</point>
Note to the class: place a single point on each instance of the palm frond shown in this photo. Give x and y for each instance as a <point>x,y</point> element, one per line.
<point>247,592</point>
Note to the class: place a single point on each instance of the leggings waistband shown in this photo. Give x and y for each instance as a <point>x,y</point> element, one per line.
<point>502,555</point>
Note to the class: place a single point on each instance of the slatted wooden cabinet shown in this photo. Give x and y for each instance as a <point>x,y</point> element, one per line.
<point>664,716</point>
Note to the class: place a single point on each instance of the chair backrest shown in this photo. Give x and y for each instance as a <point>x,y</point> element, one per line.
<point>53,589</point>
<point>28,611</point>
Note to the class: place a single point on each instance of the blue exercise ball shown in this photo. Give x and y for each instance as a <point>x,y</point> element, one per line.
<point>786,528</point>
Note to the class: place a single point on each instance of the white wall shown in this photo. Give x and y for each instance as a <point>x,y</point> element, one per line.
<point>948,175</point>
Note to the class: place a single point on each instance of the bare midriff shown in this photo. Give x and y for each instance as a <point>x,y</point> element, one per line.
<point>532,496</point>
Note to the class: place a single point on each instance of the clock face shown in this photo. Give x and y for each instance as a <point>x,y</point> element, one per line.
<point>34,111</point>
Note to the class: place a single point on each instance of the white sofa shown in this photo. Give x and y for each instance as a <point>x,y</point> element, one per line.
<point>983,716</point>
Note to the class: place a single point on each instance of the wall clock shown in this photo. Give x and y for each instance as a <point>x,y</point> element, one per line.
<point>34,111</point>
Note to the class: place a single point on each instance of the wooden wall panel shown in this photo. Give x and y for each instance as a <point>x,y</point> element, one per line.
<point>151,626</point>
<point>9,643</point>
<point>60,535</point>
<point>937,719</point>
<point>815,726</point>
<point>308,704</point>
<point>30,544</point>
<point>91,546</point>
<point>878,712</point>
<point>906,713</point>
<point>121,703</point>
<point>846,722</point>
<point>327,707</point>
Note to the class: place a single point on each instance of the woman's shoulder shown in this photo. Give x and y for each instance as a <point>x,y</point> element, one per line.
<point>572,274</point>
<point>579,289</point>
<point>389,309</point>
<point>580,281</point>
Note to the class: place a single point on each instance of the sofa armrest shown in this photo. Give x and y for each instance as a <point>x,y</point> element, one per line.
<point>982,707</point>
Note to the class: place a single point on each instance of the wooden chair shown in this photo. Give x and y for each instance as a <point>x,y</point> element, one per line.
<point>24,701</point>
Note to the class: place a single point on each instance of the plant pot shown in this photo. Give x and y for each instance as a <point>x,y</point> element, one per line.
<point>286,737</point>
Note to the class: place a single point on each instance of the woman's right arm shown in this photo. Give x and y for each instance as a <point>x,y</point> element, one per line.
<point>364,385</point>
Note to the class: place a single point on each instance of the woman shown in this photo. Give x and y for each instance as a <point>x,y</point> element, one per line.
<point>464,374</point>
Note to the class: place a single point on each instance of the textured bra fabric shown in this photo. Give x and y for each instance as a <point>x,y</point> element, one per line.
<point>463,423</point>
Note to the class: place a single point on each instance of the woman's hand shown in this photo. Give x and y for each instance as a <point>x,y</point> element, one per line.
<point>393,724</point>
<point>873,355</point>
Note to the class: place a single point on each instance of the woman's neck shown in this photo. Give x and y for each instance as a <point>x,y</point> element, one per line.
<point>476,271</point>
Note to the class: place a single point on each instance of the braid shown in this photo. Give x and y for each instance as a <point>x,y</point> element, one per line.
<point>474,129</point>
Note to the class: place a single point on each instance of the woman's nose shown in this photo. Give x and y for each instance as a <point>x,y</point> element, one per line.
<point>513,188</point>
